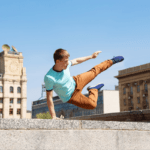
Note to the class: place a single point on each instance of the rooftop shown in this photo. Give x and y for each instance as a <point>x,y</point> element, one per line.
<point>132,70</point>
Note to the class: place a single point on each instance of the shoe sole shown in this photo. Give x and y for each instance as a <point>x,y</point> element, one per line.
<point>96,85</point>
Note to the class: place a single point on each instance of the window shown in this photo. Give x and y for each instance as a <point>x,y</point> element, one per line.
<point>18,111</point>
<point>138,88</point>
<point>131,90</point>
<point>100,99</point>
<point>18,100</point>
<point>124,101</point>
<point>1,89</point>
<point>124,90</point>
<point>18,89</point>
<point>145,87</point>
<point>131,102</point>
<point>11,89</point>
<point>1,100</point>
<point>146,100</point>
<point>1,111</point>
<point>11,100</point>
<point>11,111</point>
<point>138,99</point>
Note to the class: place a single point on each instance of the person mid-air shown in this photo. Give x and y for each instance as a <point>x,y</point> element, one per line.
<point>69,89</point>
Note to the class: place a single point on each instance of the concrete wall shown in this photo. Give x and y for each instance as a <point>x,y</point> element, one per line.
<point>111,101</point>
<point>47,134</point>
<point>133,116</point>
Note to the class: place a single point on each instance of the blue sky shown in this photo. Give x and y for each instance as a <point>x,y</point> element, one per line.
<point>37,28</point>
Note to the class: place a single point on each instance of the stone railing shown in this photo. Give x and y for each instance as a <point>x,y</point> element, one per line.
<point>48,134</point>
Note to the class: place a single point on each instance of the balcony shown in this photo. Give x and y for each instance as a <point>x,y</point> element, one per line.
<point>130,103</point>
<point>144,92</point>
<point>145,103</point>
<point>130,94</point>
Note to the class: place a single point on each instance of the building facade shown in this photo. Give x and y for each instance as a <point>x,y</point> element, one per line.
<point>108,101</point>
<point>13,85</point>
<point>134,86</point>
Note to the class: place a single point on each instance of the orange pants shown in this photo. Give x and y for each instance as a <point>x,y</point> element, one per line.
<point>82,80</point>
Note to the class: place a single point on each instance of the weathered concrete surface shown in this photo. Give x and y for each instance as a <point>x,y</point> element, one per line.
<point>47,134</point>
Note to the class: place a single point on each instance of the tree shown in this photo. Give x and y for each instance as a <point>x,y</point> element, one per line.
<point>44,116</point>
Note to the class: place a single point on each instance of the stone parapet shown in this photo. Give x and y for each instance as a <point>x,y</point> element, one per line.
<point>48,134</point>
<point>137,116</point>
<point>50,124</point>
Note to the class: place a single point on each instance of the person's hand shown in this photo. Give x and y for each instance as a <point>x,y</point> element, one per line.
<point>57,118</point>
<point>95,54</point>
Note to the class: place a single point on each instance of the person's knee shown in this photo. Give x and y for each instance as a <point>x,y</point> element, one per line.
<point>94,106</point>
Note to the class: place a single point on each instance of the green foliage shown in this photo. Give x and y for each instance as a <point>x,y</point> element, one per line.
<point>44,116</point>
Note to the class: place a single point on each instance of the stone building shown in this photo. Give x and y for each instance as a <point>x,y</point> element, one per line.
<point>108,102</point>
<point>13,84</point>
<point>134,86</point>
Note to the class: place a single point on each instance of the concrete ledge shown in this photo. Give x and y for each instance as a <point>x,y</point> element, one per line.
<point>137,116</point>
<point>48,124</point>
<point>47,134</point>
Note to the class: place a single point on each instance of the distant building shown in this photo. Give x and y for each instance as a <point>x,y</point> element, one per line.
<point>117,87</point>
<point>108,101</point>
<point>13,85</point>
<point>29,114</point>
<point>134,86</point>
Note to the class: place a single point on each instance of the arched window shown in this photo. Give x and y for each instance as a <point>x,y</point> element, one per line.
<point>138,88</point>
<point>145,87</point>
<point>11,89</point>
<point>1,89</point>
<point>18,89</point>
<point>124,90</point>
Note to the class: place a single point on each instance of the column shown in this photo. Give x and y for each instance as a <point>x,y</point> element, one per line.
<point>141,94</point>
<point>134,85</point>
<point>15,99</point>
<point>121,97</point>
<point>148,86</point>
<point>127,91</point>
<point>23,98</point>
<point>6,101</point>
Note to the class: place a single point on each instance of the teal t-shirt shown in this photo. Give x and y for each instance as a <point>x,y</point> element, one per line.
<point>61,82</point>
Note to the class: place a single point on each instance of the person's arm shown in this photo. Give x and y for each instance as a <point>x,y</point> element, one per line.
<point>50,103</point>
<point>82,59</point>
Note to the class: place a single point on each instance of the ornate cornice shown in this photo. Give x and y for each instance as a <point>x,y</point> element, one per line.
<point>23,80</point>
<point>12,80</point>
<point>135,83</point>
<point>132,73</point>
<point>13,56</point>
<point>23,97</point>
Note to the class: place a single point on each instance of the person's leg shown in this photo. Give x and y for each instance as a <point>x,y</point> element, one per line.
<point>83,79</point>
<point>86,77</point>
<point>82,101</point>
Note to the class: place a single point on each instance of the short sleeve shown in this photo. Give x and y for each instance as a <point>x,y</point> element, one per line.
<point>48,83</point>
<point>70,63</point>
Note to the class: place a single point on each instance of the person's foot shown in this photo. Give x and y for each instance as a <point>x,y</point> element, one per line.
<point>98,86</point>
<point>117,59</point>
